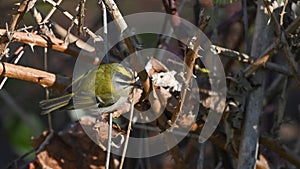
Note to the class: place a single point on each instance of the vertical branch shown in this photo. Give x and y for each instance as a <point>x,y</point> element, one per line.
<point>283,12</point>
<point>81,16</point>
<point>128,131</point>
<point>116,14</point>
<point>249,142</point>
<point>201,158</point>
<point>107,61</point>
<point>197,12</point>
<point>130,43</point>
<point>281,107</point>
<point>246,26</point>
<point>46,89</point>
<point>105,31</point>
<point>189,61</point>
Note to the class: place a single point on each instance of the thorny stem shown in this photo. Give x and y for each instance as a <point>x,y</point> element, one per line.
<point>42,78</point>
<point>23,8</point>
<point>68,15</point>
<point>286,49</point>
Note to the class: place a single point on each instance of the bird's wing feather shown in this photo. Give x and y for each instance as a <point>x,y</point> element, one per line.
<point>110,108</point>
<point>55,103</point>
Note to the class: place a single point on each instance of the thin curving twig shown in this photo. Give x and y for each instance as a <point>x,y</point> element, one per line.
<point>128,132</point>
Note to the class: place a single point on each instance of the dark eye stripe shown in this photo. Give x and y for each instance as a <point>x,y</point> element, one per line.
<point>122,76</point>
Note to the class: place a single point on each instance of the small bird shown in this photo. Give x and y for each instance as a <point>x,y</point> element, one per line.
<point>107,87</point>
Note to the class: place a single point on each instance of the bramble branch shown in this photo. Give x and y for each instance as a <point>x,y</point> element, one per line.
<point>24,6</point>
<point>51,42</point>
<point>244,58</point>
<point>42,78</point>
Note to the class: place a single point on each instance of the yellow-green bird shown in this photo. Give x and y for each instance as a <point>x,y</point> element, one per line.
<point>107,87</point>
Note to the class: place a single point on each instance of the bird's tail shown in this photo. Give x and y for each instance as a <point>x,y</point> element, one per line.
<point>51,105</point>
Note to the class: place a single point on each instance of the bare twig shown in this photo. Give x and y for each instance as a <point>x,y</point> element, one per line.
<point>189,61</point>
<point>81,16</point>
<point>67,14</point>
<point>203,22</point>
<point>47,93</point>
<point>286,49</point>
<point>188,67</point>
<point>283,12</point>
<point>128,132</point>
<point>262,59</point>
<point>66,38</point>
<point>201,158</point>
<point>105,31</point>
<point>62,32</point>
<point>270,50</point>
<point>42,78</point>
<point>24,7</point>
<point>293,26</point>
<point>37,15</point>
<point>51,12</point>
<point>274,89</point>
<point>109,141</point>
<point>272,145</point>
<point>53,43</point>
<point>49,136</point>
<point>246,28</point>
<point>244,58</point>
<point>37,40</point>
<point>116,14</point>
<point>281,107</point>
<point>122,25</point>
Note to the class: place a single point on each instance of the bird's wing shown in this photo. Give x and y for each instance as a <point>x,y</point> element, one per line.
<point>56,103</point>
<point>108,109</point>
